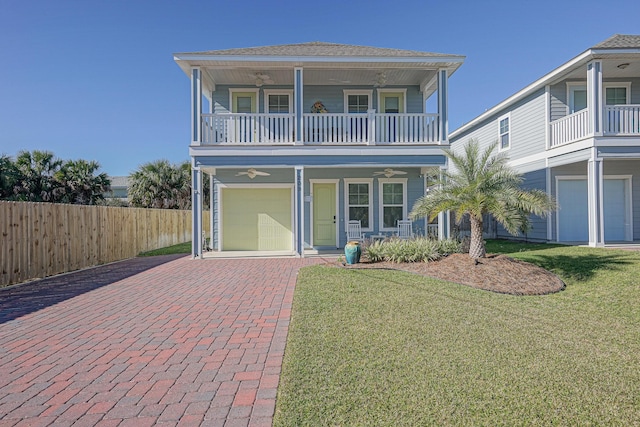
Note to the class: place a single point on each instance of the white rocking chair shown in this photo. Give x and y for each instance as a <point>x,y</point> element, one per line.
<point>405,229</point>
<point>354,231</point>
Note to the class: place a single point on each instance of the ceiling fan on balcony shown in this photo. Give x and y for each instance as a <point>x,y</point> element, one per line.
<point>388,172</point>
<point>262,79</point>
<point>381,80</point>
<point>252,173</point>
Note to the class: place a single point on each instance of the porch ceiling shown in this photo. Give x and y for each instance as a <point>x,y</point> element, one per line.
<point>368,76</point>
<point>610,69</point>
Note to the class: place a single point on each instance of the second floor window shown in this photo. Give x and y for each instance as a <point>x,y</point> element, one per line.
<point>504,132</point>
<point>616,95</point>
<point>358,103</point>
<point>278,103</point>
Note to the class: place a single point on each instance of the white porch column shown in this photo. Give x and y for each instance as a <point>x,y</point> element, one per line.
<point>298,103</point>
<point>196,211</point>
<point>299,210</point>
<point>443,107</point>
<point>196,106</point>
<point>595,197</point>
<point>212,212</point>
<point>594,96</point>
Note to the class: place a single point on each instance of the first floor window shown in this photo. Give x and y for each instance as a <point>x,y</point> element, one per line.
<point>393,204</point>
<point>358,201</point>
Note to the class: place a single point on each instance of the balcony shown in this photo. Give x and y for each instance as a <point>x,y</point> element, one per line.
<point>320,129</point>
<point>618,120</point>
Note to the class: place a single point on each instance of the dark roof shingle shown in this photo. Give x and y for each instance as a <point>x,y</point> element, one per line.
<point>620,41</point>
<point>319,49</point>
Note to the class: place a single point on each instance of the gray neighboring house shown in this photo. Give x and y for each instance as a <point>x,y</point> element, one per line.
<point>119,189</point>
<point>575,133</point>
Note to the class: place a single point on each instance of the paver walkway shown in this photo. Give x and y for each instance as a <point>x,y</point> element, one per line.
<point>148,341</point>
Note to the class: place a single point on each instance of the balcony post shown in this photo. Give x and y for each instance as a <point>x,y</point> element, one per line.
<point>298,104</point>
<point>196,106</point>
<point>594,96</point>
<point>371,127</point>
<point>443,107</point>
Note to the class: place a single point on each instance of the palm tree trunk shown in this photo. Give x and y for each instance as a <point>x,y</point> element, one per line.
<point>476,246</point>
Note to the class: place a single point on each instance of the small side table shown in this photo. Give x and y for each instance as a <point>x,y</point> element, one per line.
<point>377,237</point>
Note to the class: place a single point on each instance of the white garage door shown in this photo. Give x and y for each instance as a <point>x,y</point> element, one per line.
<point>573,213</point>
<point>256,219</point>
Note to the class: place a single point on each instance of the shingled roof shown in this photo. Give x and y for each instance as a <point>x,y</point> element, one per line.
<point>620,41</point>
<point>319,49</point>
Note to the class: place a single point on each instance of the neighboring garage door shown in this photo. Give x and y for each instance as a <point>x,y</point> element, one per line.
<point>573,213</point>
<point>256,219</point>
<point>616,213</point>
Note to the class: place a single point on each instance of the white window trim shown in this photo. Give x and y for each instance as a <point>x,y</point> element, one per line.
<point>348,181</point>
<point>610,85</point>
<point>347,92</point>
<point>403,91</point>
<point>508,117</point>
<point>268,92</point>
<point>571,87</point>
<point>381,181</point>
<point>244,90</point>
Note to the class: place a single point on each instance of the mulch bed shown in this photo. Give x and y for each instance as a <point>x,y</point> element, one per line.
<point>496,273</point>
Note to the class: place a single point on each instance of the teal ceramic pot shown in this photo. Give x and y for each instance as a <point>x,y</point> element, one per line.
<point>352,252</point>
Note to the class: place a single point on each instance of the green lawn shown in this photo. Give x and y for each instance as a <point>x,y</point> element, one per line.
<point>181,248</point>
<point>388,348</point>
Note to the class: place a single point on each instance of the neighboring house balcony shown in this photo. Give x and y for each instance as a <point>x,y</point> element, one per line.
<point>370,128</point>
<point>596,99</point>
<point>618,120</point>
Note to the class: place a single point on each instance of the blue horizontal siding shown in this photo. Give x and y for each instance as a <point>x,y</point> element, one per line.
<point>290,161</point>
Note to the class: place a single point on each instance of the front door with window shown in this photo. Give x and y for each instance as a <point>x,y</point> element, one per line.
<point>324,214</point>
<point>391,103</point>
<point>243,127</point>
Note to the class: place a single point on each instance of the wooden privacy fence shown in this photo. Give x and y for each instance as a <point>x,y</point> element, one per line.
<point>42,239</point>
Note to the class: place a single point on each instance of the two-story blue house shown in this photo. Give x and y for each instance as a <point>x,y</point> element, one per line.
<point>298,139</point>
<point>575,133</point>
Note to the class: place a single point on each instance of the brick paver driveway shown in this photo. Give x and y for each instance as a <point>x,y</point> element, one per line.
<point>148,341</point>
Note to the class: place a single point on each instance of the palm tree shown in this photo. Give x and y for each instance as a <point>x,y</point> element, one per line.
<point>162,185</point>
<point>36,172</point>
<point>79,183</point>
<point>483,184</point>
<point>8,177</point>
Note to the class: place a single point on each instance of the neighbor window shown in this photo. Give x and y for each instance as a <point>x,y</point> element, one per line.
<point>616,95</point>
<point>393,205</point>
<point>504,132</point>
<point>358,202</point>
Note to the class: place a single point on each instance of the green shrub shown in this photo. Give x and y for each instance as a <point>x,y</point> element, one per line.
<point>420,249</point>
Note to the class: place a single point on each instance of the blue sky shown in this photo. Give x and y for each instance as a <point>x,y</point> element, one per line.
<point>96,79</point>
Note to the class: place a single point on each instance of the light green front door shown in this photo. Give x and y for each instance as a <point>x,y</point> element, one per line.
<point>324,214</point>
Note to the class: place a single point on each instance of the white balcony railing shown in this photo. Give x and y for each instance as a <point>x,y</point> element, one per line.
<point>325,128</point>
<point>622,120</point>
<point>569,129</point>
<point>247,129</point>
